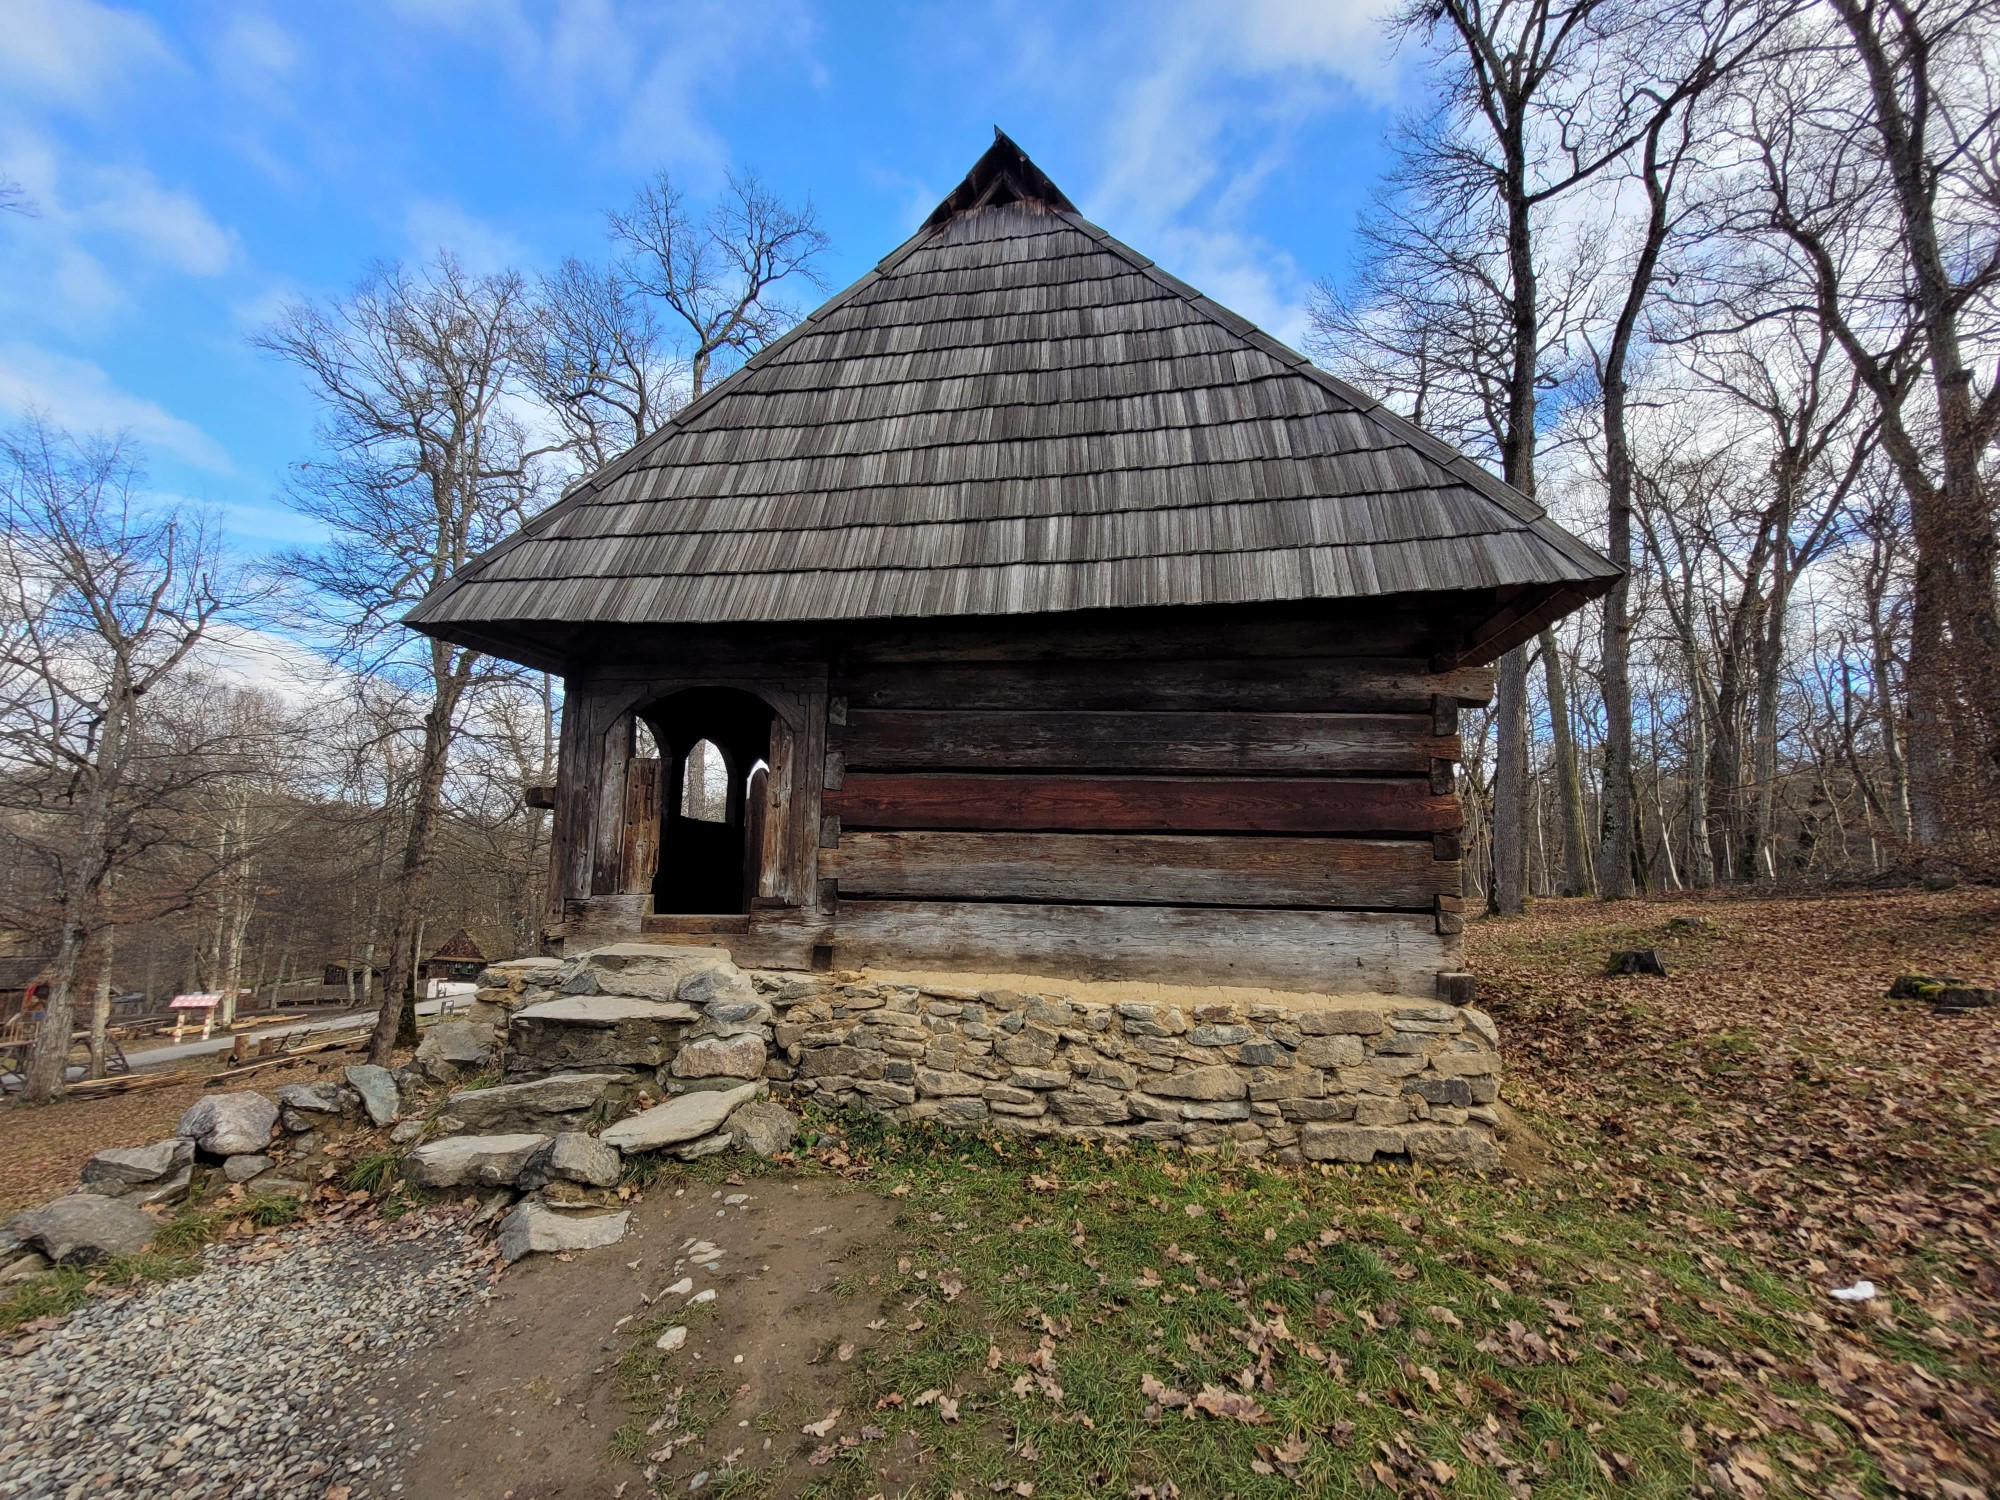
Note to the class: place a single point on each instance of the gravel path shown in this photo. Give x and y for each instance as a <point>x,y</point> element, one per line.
<point>244,1380</point>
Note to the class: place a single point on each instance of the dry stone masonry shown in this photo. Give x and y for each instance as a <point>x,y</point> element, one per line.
<point>1320,1079</point>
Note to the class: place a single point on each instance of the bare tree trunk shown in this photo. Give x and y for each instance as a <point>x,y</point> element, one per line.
<point>397,1023</point>
<point>1508,896</point>
<point>1569,783</point>
<point>100,1003</point>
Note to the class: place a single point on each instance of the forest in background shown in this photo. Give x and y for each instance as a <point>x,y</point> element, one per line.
<point>1715,283</point>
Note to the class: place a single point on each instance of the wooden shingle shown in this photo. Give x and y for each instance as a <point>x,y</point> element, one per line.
<point>1015,414</point>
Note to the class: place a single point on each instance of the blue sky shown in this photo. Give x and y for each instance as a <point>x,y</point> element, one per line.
<point>192,164</point>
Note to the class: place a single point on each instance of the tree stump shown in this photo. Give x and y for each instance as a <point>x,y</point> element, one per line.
<point>1637,961</point>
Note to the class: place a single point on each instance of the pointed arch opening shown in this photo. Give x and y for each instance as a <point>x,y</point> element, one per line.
<point>714,745</point>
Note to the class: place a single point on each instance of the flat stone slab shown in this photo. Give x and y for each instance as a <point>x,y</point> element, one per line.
<point>562,1100</point>
<point>596,1031</point>
<point>114,1171</point>
<point>537,1229</point>
<point>483,1160</point>
<point>683,1119</point>
<point>85,1228</point>
<point>607,1010</point>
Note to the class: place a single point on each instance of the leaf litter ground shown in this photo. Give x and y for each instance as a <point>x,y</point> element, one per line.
<point>1639,1306</point>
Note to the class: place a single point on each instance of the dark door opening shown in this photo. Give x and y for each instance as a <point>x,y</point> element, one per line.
<point>714,743</point>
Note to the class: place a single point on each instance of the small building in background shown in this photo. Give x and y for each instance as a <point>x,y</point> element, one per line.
<point>458,961</point>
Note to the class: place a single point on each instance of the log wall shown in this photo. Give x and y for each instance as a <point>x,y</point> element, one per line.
<point>1277,815</point>
<point>1287,822</point>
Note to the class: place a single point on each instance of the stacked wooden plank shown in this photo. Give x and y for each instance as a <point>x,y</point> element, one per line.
<point>1300,826</point>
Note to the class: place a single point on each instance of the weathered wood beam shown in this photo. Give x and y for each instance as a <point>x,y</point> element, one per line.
<point>1162,869</point>
<point>1326,952</point>
<point>1275,743</point>
<point>1141,804</point>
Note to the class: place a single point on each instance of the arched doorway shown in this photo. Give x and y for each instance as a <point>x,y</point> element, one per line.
<point>714,744</point>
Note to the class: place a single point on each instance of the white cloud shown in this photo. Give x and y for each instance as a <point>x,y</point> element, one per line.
<point>75,52</point>
<point>246,658</point>
<point>650,63</point>
<point>431,225</point>
<point>78,395</point>
<point>1202,128</point>
<point>163,224</point>
<point>256,56</point>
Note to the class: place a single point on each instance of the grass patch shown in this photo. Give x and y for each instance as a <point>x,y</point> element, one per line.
<point>276,1211</point>
<point>57,1293</point>
<point>373,1172</point>
<point>1377,1327</point>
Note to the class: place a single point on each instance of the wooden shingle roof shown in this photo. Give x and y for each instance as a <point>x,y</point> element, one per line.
<point>1015,413</point>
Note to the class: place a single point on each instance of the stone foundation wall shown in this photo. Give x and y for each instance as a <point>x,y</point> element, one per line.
<point>1339,1079</point>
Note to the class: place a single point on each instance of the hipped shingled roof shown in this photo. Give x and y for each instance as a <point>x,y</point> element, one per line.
<point>1015,414</point>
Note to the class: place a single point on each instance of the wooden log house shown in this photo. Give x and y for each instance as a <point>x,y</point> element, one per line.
<point>1024,610</point>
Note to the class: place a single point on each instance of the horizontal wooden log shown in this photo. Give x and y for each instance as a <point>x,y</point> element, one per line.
<point>1275,684</point>
<point>1140,804</point>
<point>1160,869</point>
<point>1282,744</point>
<point>1318,952</point>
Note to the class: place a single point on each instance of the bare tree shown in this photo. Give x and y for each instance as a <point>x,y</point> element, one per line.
<point>105,599</point>
<point>1877,138</point>
<point>719,276</point>
<point>601,360</point>
<point>424,464</point>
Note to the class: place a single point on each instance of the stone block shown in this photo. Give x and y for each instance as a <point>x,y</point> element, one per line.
<point>536,1228</point>
<point>1466,1059</point>
<point>1301,1110</point>
<point>739,1056</point>
<point>1358,1143</point>
<point>84,1229</point>
<point>1143,1019</point>
<point>1453,1146</point>
<point>596,1031</point>
<point>122,1168</point>
<point>886,1093</point>
<point>1337,1051</point>
<point>1088,1104</point>
<point>449,1046</point>
<point>684,1119</point>
<point>378,1092</point>
<point>1109,1073</point>
<point>819,1062</point>
<point>1215,1082</point>
<point>228,1124</point>
<point>546,1104</point>
<point>475,1160</point>
<point>1287,1083</point>
<point>1219,1109</point>
<point>940,1083</point>
<point>1455,1092</point>
<point>1377,1110</point>
<point>1481,1025</point>
<point>1340,1022</point>
<point>1219,1036</point>
<point>1264,1055</point>
<point>1038,1078</point>
<point>1030,1047</point>
<point>763,1128</point>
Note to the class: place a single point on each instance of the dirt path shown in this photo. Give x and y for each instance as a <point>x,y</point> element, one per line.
<point>525,1401</point>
